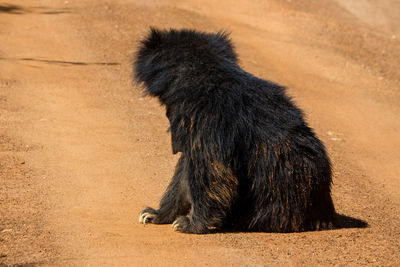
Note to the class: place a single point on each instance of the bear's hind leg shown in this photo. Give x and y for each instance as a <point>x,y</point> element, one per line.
<point>213,189</point>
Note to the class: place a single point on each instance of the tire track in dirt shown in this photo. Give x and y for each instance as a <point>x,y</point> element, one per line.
<point>102,151</point>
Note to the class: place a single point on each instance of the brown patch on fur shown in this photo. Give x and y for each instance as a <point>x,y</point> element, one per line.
<point>226,188</point>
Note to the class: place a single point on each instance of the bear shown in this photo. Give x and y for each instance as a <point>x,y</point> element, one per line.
<point>248,159</point>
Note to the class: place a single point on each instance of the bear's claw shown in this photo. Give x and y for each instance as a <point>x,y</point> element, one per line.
<point>146,217</point>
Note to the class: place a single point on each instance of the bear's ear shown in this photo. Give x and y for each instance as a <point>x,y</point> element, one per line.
<point>224,36</point>
<point>153,39</point>
<point>224,45</point>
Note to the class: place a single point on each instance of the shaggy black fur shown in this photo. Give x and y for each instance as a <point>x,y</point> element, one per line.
<point>249,161</point>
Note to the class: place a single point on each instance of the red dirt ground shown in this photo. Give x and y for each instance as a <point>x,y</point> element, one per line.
<point>82,153</point>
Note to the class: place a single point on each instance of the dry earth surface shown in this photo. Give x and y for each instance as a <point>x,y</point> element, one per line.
<point>82,152</point>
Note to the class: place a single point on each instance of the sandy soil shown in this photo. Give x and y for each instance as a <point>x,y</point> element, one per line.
<point>82,153</point>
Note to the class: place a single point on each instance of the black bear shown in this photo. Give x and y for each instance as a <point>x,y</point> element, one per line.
<point>249,161</point>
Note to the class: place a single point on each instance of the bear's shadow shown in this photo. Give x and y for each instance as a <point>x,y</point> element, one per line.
<point>342,222</point>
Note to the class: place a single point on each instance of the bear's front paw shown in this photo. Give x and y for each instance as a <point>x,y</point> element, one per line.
<point>147,215</point>
<point>183,224</point>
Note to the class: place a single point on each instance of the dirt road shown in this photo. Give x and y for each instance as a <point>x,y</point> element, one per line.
<point>82,153</point>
